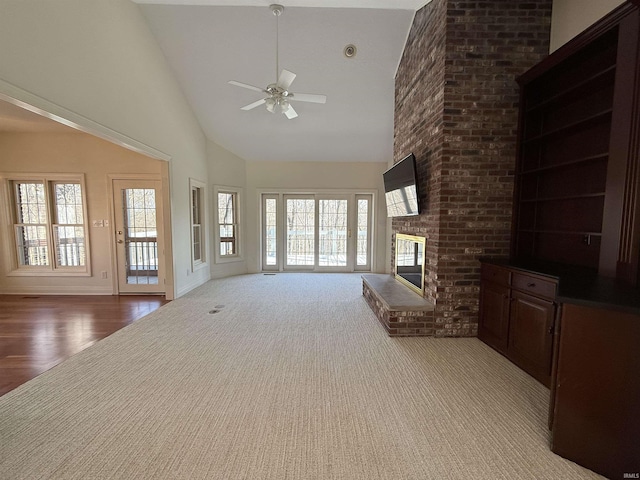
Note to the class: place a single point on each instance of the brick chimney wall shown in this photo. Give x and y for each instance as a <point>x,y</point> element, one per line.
<point>457,111</point>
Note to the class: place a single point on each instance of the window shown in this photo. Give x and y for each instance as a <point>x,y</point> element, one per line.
<point>198,216</point>
<point>227,223</point>
<point>49,225</point>
<point>270,232</point>
<point>363,231</point>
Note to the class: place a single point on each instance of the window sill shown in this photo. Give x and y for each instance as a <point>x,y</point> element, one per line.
<point>199,266</point>
<point>233,259</point>
<point>46,273</point>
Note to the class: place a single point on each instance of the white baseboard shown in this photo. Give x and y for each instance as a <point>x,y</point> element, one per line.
<point>184,289</point>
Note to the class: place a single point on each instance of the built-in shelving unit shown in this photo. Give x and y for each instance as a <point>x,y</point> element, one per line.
<point>570,155</point>
<point>577,214</point>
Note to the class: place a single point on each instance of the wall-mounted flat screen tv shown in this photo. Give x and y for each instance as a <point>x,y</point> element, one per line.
<point>401,188</point>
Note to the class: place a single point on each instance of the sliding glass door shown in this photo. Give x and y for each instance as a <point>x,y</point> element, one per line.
<point>333,233</point>
<point>300,234</point>
<point>315,232</point>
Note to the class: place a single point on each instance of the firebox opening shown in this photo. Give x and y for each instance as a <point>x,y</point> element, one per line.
<point>409,261</point>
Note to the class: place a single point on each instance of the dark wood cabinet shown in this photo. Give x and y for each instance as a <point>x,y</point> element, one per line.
<point>596,399</point>
<point>576,217</point>
<point>517,312</point>
<point>495,297</point>
<point>531,334</point>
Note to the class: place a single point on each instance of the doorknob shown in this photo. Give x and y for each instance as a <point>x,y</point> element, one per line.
<point>120,241</point>
<point>119,232</point>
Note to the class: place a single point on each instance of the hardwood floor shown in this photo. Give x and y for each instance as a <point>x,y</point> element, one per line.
<point>38,332</point>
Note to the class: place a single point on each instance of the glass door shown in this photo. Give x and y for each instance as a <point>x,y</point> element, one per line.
<point>333,233</point>
<point>300,232</point>
<point>139,250</point>
<point>330,233</point>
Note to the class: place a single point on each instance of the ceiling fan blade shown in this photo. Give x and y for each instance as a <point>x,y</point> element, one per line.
<point>307,97</point>
<point>290,113</point>
<point>245,85</point>
<point>286,79</point>
<point>254,104</point>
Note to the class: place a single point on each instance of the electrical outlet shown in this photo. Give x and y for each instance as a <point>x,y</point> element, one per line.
<point>103,274</point>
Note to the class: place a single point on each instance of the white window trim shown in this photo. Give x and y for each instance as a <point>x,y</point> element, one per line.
<point>239,256</point>
<point>263,249</point>
<point>204,217</point>
<point>8,213</point>
<point>370,232</point>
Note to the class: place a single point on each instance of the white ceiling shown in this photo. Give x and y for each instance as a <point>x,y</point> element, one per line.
<point>207,43</point>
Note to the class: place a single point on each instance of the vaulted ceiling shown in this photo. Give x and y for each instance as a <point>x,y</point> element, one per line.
<point>209,42</point>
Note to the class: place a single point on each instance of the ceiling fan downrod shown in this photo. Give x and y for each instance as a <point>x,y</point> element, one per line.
<point>277,10</point>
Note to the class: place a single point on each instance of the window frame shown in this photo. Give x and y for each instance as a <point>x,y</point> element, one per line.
<point>200,189</point>
<point>238,255</point>
<point>277,199</point>
<point>368,197</point>
<point>49,180</point>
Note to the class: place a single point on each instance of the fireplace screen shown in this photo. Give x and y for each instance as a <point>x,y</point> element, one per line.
<point>409,262</point>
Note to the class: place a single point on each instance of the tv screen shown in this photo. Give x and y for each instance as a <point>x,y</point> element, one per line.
<point>401,189</point>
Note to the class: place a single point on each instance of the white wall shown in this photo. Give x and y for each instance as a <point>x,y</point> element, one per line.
<point>313,176</point>
<point>571,17</point>
<point>99,60</point>
<point>228,170</point>
<point>70,153</point>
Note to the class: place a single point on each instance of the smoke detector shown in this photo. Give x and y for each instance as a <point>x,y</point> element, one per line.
<point>350,51</point>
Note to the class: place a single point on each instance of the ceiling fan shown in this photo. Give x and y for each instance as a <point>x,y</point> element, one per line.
<point>278,94</point>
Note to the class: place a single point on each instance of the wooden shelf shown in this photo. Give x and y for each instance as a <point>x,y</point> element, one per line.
<point>574,89</point>
<point>561,232</point>
<point>556,199</point>
<point>566,128</point>
<point>591,158</point>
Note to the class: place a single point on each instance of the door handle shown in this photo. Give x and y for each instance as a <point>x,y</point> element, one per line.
<point>120,241</point>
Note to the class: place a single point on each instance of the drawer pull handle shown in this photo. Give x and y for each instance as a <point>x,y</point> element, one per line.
<point>531,285</point>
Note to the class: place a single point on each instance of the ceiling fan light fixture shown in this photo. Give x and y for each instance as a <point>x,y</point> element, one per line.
<point>270,104</point>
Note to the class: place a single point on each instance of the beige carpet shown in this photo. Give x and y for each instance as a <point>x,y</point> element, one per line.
<point>293,378</point>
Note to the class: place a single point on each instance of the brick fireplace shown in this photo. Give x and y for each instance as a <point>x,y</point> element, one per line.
<point>456,110</point>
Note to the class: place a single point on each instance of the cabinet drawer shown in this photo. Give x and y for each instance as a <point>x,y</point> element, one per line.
<point>495,274</point>
<point>534,285</point>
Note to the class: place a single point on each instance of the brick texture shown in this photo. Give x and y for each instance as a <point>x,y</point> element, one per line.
<point>457,111</point>
<point>399,323</point>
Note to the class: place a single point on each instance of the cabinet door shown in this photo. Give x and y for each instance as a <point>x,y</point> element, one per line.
<point>493,328</point>
<point>531,335</point>
<point>597,407</point>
